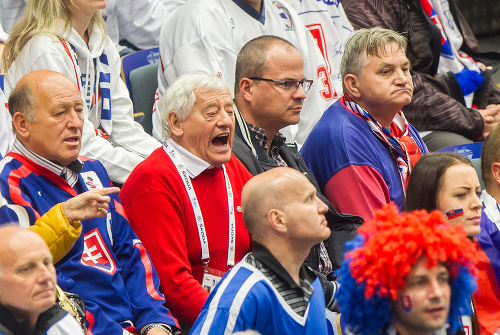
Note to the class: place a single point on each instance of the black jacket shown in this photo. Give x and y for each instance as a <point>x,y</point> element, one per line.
<point>343,226</point>
<point>10,326</point>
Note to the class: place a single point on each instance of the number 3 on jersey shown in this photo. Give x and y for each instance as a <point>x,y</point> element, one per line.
<point>323,73</point>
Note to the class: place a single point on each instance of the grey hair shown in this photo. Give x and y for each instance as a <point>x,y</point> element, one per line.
<point>364,43</point>
<point>21,100</point>
<point>179,97</point>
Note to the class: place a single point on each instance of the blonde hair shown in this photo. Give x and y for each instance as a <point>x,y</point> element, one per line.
<point>42,17</point>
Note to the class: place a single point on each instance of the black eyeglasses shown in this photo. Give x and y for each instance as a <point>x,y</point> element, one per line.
<point>290,84</point>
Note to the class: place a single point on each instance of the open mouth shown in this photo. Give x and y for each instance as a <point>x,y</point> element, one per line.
<point>73,139</point>
<point>220,141</point>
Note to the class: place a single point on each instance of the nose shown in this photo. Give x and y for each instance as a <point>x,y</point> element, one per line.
<point>401,77</point>
<point>225,120</point>
<point>299,93</point>
<point>46,275</point>
<point>75,119</point>
<point>476,203</point>
<point>322,207</point>
<point>436,289</point>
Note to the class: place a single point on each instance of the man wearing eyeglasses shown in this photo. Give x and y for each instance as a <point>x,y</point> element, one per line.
<point>270,88</point>
<point>362,150</point>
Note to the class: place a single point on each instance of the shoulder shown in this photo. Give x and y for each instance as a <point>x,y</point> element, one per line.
<point>337,131</point>
<point>236,168</point>
<point>40,46</point>
<point>416,137</point>
<point>60,322</point>
<point>246,284</point>
<point>156,173</point>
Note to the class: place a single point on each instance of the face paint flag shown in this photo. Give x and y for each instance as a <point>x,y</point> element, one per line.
<point>455,213</point>
<point>406,303</point>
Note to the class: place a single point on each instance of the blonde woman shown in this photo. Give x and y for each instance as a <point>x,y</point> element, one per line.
<point>69,36</point>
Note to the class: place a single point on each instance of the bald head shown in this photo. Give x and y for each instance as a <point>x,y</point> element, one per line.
<point>13,237</point>
<point>25,96</point>
<point>282,211</point>
<point>27,276</point>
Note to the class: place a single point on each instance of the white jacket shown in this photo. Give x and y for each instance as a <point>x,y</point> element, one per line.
<point>6,135</point>
<point>127,144</point>
<point>138,21</point>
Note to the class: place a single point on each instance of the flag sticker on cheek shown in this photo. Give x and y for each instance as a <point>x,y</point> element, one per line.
<point>406,302</point>
<point>454,213</point>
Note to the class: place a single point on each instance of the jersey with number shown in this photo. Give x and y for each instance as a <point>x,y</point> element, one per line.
<point>108,266</point>
<point>207,35</point>
<point>328,24</point>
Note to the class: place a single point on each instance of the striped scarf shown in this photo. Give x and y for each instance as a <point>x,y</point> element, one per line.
<point>451,58</point>
<point>397,140</point>
<point>103,78</point>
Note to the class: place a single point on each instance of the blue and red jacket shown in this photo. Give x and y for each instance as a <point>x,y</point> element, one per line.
<point>108,266</point>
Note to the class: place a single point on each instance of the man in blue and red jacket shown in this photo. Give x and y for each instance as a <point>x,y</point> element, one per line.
<point>108,266</point>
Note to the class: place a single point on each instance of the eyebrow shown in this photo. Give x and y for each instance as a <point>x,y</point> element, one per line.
<point>465,187</point>
<point>385,64</point>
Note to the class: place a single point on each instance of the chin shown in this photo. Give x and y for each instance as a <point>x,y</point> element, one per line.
<point>473,231</point>
<point>219,161</point>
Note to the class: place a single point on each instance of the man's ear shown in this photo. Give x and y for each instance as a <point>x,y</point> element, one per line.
<point>246,89</point>
<point>21,125</point>
<point>495,170</point>
<point>351,85</point>
<point>175,124</point>
<point>277,220</point>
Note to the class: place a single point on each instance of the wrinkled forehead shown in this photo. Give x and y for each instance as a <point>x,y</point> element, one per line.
<point>22,247</point>
<point>205,96</point>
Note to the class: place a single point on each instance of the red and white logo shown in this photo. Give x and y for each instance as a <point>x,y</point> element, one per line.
<point>96,254</point>
<point>406,303</point>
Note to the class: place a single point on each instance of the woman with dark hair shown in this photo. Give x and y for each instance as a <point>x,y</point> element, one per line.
<point>448,182</point>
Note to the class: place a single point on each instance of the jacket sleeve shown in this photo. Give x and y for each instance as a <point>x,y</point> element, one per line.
<point>57,232</point>
<point>433,107</point>
<point>139,275</point>
<point>99,322</point>
<point>358,190</point>
<point>140,21</point>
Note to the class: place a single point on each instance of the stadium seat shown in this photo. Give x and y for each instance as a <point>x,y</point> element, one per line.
<point>143,84</point>
<point>472,151</point>
<point>136,60</point>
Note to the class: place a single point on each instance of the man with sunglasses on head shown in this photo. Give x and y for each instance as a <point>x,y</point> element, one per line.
<point>270,89</point>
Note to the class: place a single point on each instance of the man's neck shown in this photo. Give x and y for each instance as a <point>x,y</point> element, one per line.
<point>270,132</point>
<point>494,192</point>
<point>291,258</point>
<point>256,4</point>
<point>384,116</point>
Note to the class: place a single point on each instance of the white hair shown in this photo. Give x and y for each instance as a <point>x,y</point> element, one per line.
<point>179,97</point>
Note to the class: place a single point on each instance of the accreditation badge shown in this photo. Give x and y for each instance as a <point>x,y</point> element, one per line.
<point>211,278</point>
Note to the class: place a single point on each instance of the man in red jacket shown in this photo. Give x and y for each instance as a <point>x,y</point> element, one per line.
<point>184,200</point>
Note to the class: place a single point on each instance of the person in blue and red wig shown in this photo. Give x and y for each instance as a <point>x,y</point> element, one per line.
<point>405,274</point>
